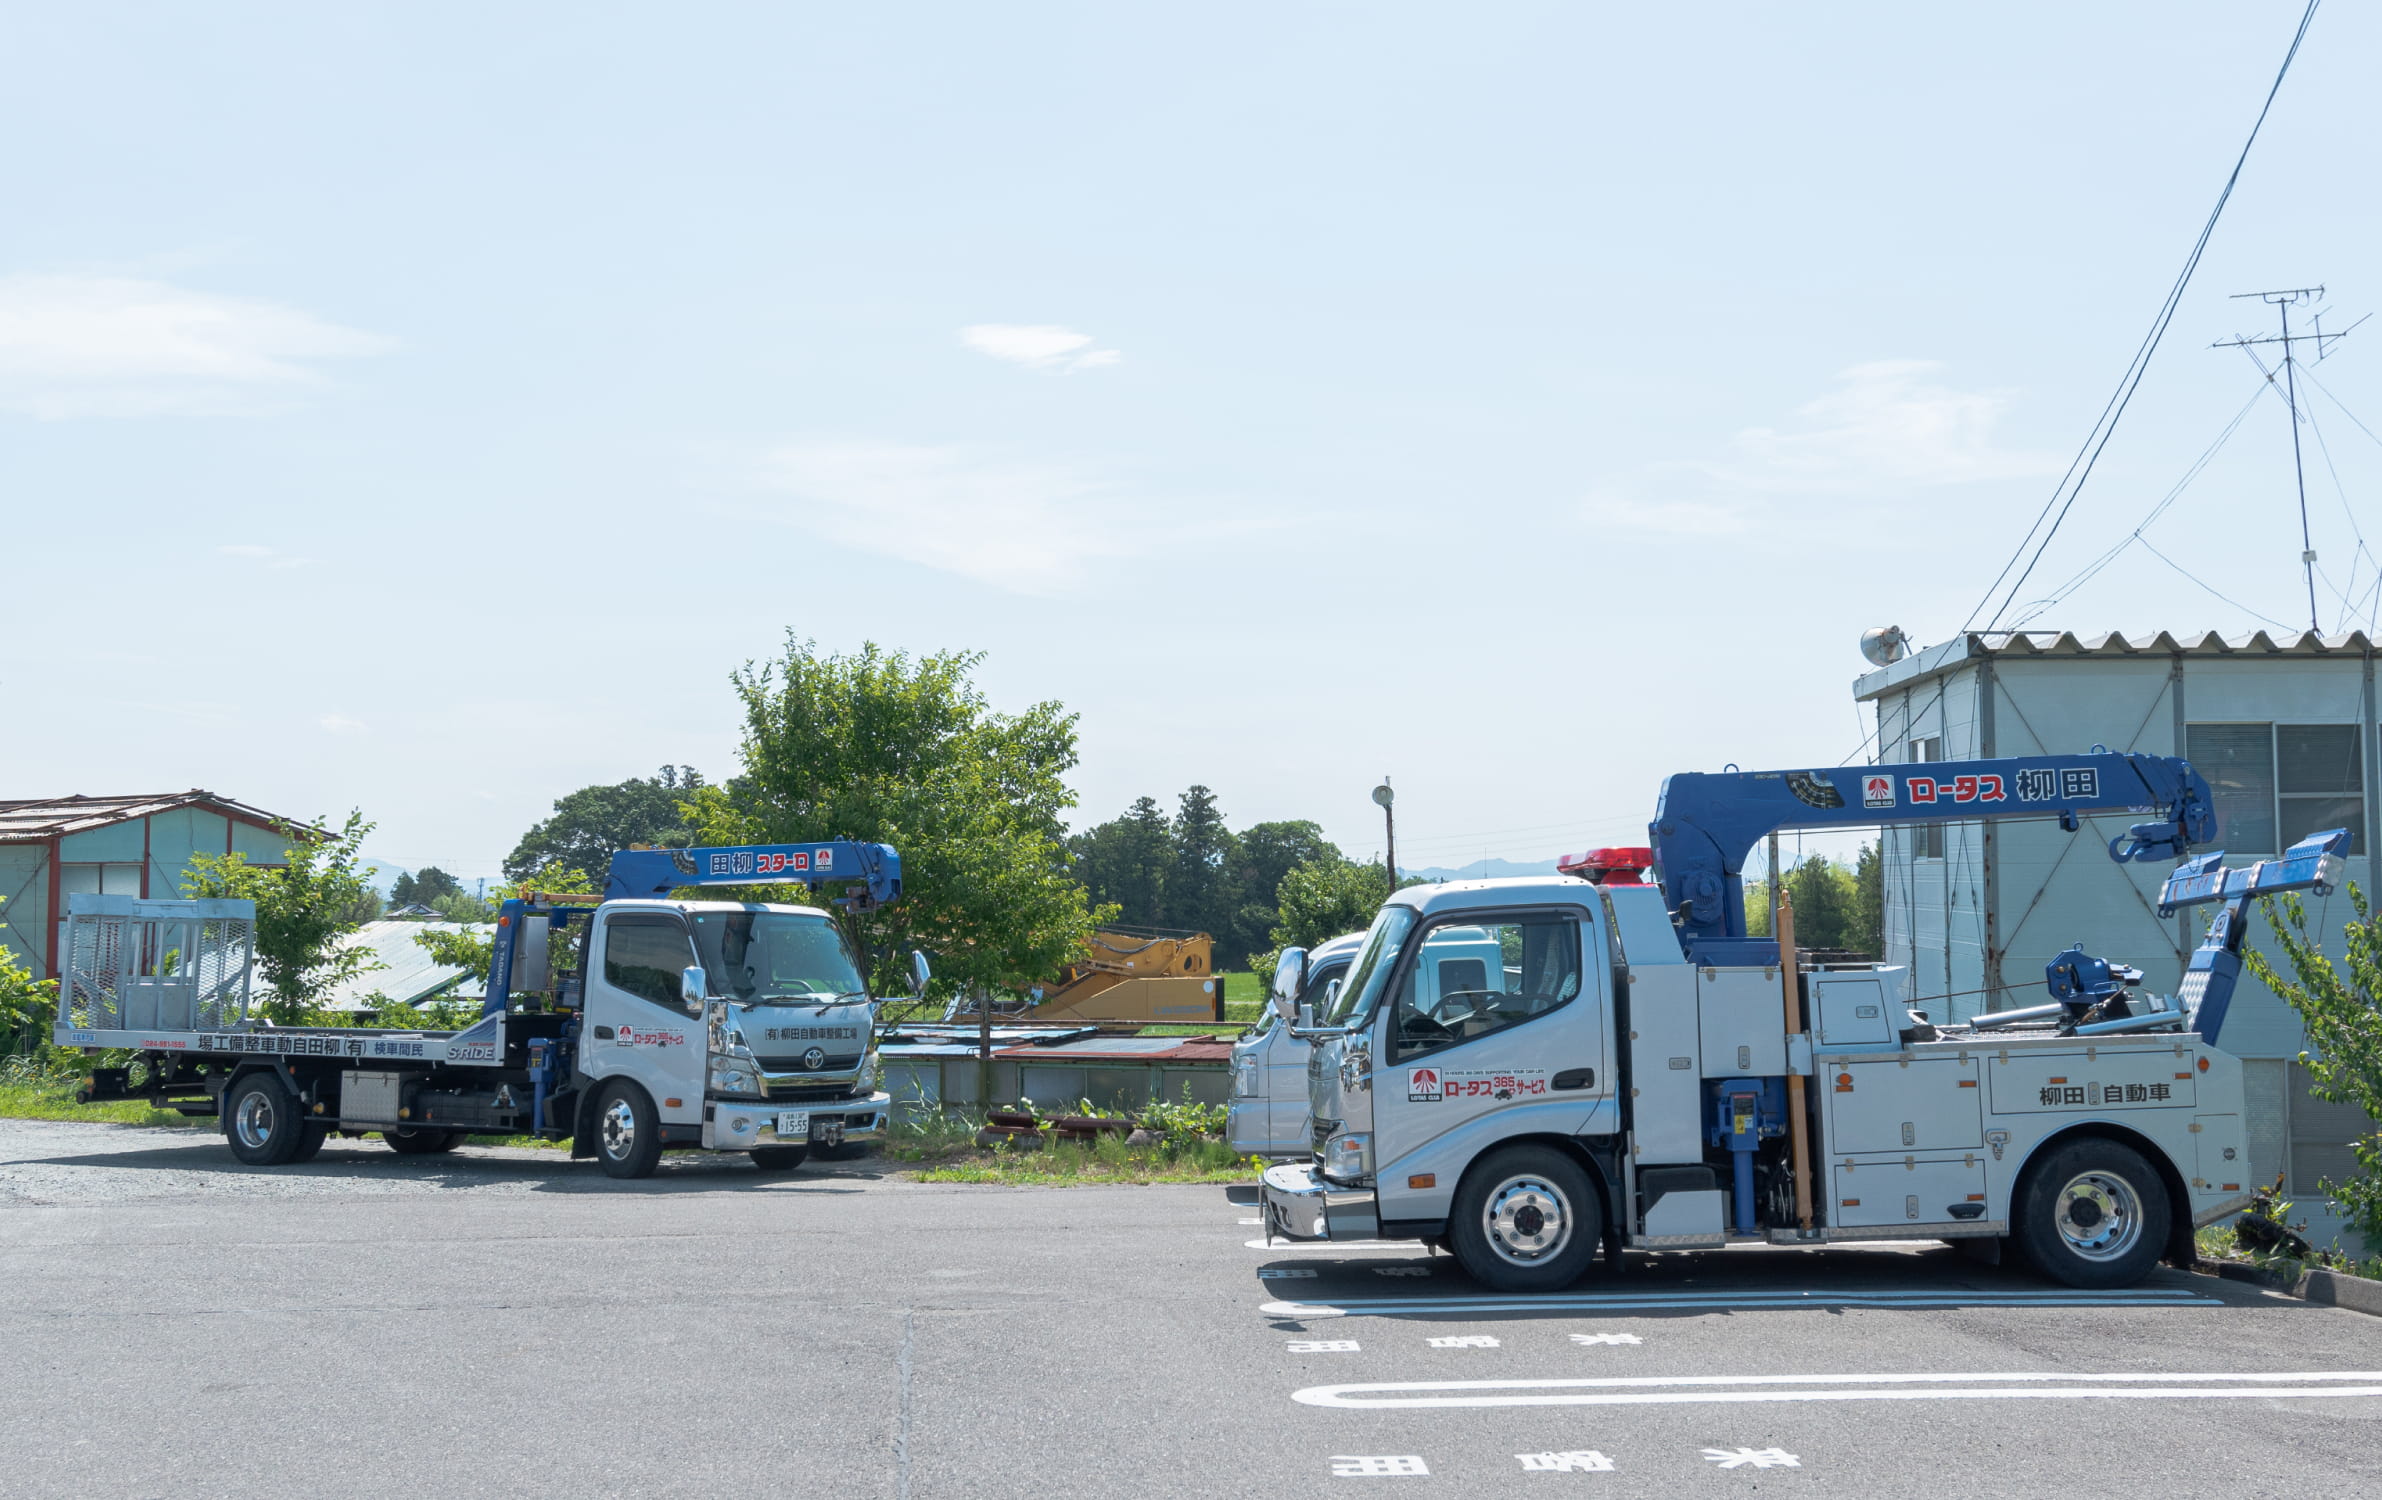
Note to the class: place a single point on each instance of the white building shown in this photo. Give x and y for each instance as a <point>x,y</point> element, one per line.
<point>2286,732</point>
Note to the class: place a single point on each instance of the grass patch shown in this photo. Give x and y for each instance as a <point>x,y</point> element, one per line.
<point>942,1148</point>
<point>28,1101</point>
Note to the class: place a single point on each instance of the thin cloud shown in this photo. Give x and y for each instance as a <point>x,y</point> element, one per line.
<point>1885,431</point>
<point>266,555</point>
<point>1032,528</point>
<point>339,724</point>
<point>1037,346</point>
<point>75,345</point>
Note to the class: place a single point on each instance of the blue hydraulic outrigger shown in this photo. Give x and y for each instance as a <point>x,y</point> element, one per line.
<point>2315,863</point>
<point>1706,823</point>
<point>654,873</point>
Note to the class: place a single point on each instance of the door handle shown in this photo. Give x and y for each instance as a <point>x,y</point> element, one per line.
<point>1574,1078</point>
<point>603,1033</point>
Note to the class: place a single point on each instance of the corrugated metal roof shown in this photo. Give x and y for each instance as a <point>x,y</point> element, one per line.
<point>1959,651</point>
<point>411,976</point>
<point>26,819</point>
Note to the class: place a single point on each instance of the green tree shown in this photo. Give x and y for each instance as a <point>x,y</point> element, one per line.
<point>304,906</point>
<point>1827,906</point>
<point>1262,854</point>
<point>1124,862</point>
<point>28,1006</point>
<point>472,950</point>
<point>591,823</point>
<point>1198,894</point>
<point>2344,1031</point>
<point>426,888</point>
<point>886,748</point>
<point>1322,899</point>
<point>1867,934</point>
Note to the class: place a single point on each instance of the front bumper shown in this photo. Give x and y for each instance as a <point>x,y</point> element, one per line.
<point>1299,1205</point>
<point>740,1124</point>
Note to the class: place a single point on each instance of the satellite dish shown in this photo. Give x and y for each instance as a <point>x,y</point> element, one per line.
<point>1885,645</point>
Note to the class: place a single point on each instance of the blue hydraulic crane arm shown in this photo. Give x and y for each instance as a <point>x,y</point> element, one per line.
<point>1708,822</point>
<point>657,872</point>
<point>2315,863</point>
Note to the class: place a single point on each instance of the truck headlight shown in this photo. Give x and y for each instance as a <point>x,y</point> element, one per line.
<point>872,1072</point>
<point>1348,1157</point>
<point>731,1075</point>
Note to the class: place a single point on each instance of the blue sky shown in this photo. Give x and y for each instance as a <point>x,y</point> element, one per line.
<point>424,408</point>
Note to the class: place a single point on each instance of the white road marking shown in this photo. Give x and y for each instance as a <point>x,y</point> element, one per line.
<point>1606,1338</point>
<point>1739,1389</point>
<point>1376,1466</point>
<point>1578,1461</point>
<point>1335,1247</point>
<point>1322,1346</point>
<point>1465,1341</point>
<point>1752,1458</point>
<point>1401,1270</point>
<point>1249,1221</point>
<point>1282,1273</point>
<point>1349,1307</point>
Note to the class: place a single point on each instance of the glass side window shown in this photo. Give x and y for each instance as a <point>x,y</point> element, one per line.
<point>644,954</point>
<point>1474,979</point>
<point>1353,1006</point>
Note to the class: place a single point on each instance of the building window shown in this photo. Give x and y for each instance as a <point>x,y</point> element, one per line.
<point>2321,1137</point>
<point>104,880</point>
<point>2277,783</point>
<point>1927,839</point>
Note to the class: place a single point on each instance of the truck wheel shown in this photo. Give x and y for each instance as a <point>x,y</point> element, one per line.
<point>779,1158</point>
<point>310,1142</point>
<point>628,1131</point>
<point>409,1142</point>
<point>261,1121</point>
<point>1527,1219</point>
<point>2091,1213</point>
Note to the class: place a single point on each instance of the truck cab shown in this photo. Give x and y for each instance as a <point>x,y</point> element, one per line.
<point>744,1026</point>
<point>1268,1112</point>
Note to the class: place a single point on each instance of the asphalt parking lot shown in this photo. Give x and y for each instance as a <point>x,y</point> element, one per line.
<point>504,1322</point>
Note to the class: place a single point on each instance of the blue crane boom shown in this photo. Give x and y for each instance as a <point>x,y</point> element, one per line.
<point>1706,823</point>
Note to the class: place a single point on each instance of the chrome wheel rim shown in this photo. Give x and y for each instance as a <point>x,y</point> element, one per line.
<point>1527,1220</point>
<point>255,1119</point>
<point>620,1129</point>
<point>2099,1216</point>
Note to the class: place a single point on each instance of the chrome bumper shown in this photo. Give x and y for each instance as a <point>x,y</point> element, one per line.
<point>1301,1206</point>
<point>742,1124</point>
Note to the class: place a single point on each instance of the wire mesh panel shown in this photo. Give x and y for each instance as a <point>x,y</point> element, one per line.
<point>156,965</point>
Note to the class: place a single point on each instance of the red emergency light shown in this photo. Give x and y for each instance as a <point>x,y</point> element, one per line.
<point>1609,866</point>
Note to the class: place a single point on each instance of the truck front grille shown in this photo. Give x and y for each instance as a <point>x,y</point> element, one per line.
<point>815,1094</point>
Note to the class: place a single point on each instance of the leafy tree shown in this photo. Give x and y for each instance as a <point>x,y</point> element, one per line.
<point>1197,894</point>
<point>1867,933</point>
<point>592,822</point>
<point>1262,855</point>
<point>886,748</point>
<point>2344,1030</point>
<point>1325,898</point>
<point>472,951</point>
<point>425,888</point>
<point>1827,906</point>
<point>1125,863</point>
<point>304,906</point>
<point>28,1006</point>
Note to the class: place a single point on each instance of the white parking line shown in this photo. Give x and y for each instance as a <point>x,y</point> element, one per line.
<point>1486,1302</point>
<point>1335,1247</point>
<point>1740,1389</point>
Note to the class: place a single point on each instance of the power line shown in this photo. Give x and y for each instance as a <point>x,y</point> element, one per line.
<point>2089,455</point>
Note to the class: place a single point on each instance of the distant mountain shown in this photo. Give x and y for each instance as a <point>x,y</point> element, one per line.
<point>1484,869</point>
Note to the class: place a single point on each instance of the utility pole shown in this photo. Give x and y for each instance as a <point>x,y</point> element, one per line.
<point>1383,795</point>
<point>2283,301</point>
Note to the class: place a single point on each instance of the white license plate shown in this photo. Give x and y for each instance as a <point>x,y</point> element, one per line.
<point>794,1122</point>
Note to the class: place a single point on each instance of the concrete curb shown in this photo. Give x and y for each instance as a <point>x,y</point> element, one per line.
<point>2328,1287</point>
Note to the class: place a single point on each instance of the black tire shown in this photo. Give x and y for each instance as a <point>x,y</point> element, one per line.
<point>779,1158</point>
<point>1526,1219</point>
<point>628,1130</point>
<point>261,1122</point>
<point>310,1142</point>
<point>2092,1214</point>
<point>411,1142</point>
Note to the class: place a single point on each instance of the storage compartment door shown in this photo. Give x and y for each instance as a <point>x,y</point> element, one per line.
<point>1883,1194</point>
<point>1887,1104</point>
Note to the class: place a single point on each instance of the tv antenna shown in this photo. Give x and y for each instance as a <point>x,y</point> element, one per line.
<point>2282,301</point>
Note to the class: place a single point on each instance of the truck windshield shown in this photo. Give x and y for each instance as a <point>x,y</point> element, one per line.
<point>1356,999</point>
<point>764,956</point>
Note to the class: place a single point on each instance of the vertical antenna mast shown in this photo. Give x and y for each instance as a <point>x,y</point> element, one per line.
<point>2282,302</point>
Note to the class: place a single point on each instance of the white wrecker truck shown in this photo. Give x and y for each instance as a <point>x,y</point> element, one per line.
<point>629,1024</point>
<point>1641,1074</point>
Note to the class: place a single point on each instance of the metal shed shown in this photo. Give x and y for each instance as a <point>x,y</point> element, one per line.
<point>2286,730</point>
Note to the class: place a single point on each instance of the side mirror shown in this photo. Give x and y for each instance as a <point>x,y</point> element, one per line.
<point>1290,976</point>
<point>692,987</point>
<point>920,971</point>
